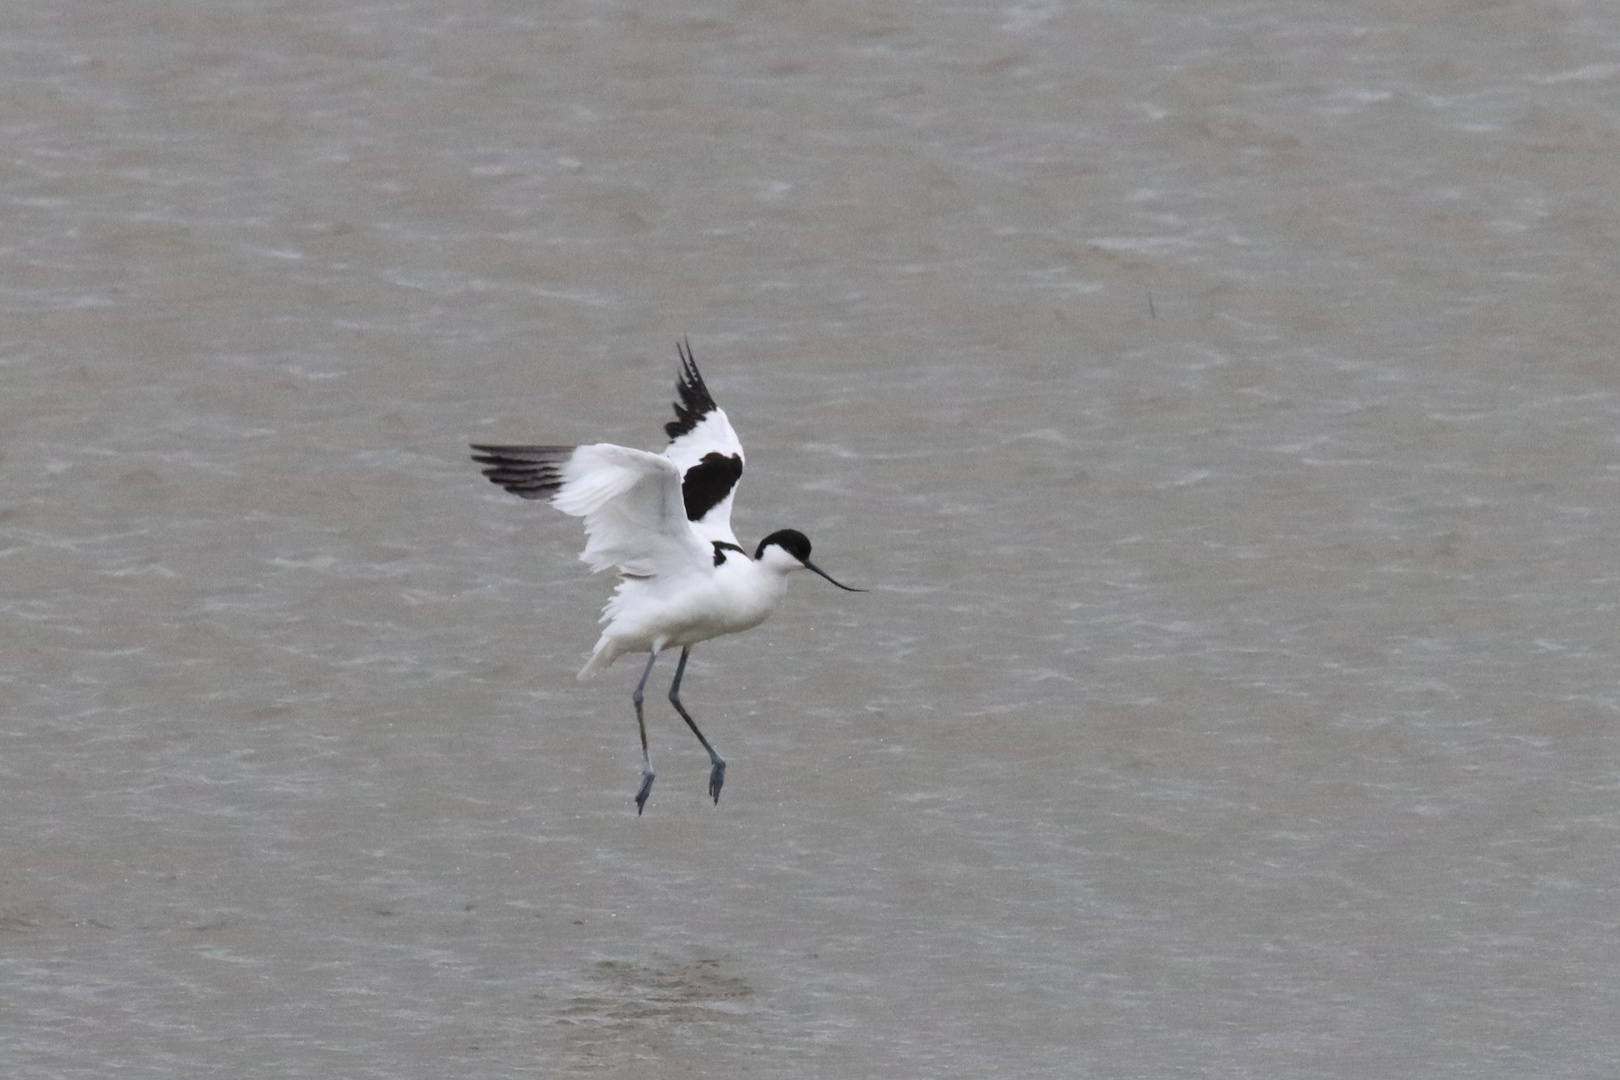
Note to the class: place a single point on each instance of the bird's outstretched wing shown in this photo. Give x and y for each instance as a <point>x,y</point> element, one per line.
<point>706,451</point>
<point>635,520</point>
<point>533,472</point>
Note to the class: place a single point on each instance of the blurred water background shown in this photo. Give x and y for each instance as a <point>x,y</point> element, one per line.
<point>1219,398</point>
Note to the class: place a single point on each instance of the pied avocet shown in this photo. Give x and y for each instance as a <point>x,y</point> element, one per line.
<point>664,522</point>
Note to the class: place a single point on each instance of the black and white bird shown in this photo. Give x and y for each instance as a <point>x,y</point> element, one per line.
<point>663,521</point>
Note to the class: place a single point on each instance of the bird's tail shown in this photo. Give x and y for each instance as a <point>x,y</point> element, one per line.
<point>603,655</point>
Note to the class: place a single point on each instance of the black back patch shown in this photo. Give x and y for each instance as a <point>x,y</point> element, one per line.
<point>720,549</point>
<point>707,483</point>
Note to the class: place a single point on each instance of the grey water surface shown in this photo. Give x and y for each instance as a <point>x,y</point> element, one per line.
<point>1219,399</point>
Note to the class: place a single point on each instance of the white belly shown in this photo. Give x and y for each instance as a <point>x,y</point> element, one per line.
<point>654,615</point>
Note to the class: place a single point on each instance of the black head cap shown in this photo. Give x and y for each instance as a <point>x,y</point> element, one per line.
<point>792,541</point>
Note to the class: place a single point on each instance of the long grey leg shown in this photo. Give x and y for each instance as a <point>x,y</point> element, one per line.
<point>717,772</point>
<point>646,758</point>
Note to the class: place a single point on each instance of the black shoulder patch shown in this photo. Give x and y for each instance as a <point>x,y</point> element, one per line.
<point>708,482</point>
<point>720,549</point>
<point>695,402</point>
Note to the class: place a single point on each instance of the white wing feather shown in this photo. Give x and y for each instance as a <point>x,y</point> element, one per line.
<point>635,520</point>
<point>712,434</point>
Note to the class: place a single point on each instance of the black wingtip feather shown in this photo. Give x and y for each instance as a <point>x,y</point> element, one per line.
<point>530,472</point>
<point>695,402</point>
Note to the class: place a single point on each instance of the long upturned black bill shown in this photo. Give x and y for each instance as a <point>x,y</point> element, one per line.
<point>812,566</point>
